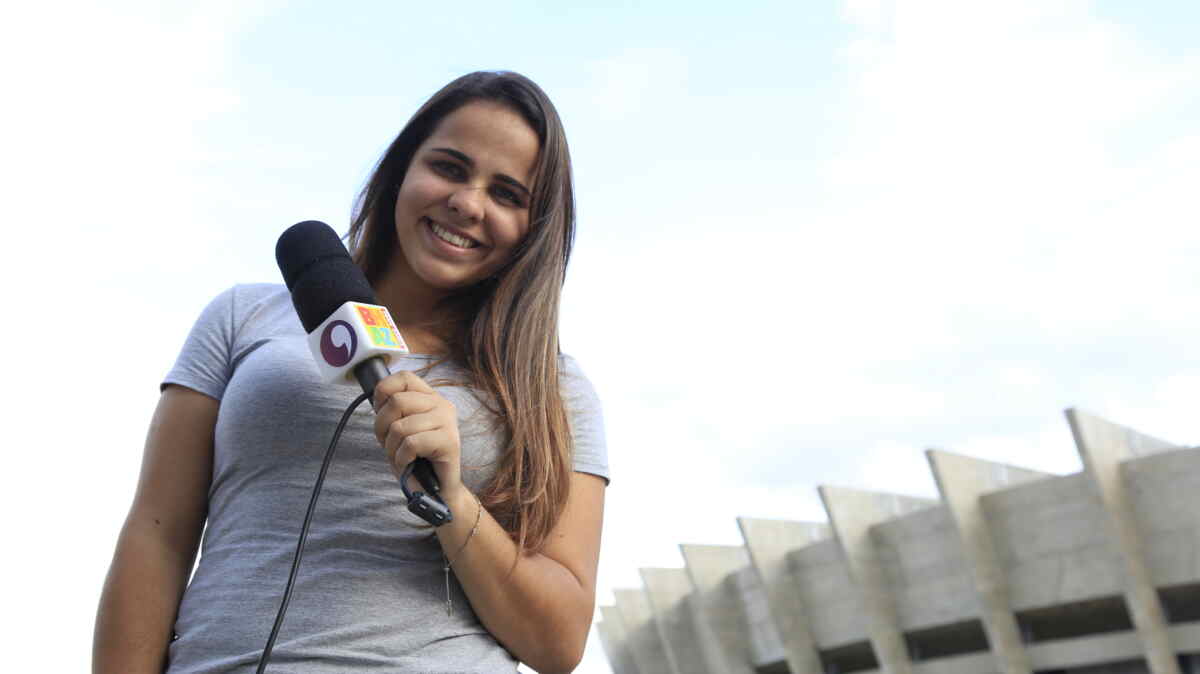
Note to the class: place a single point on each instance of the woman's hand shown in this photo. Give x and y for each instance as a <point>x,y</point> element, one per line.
<point>412,420</point>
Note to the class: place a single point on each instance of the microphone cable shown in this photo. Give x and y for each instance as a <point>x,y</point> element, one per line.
<point>312,506</point>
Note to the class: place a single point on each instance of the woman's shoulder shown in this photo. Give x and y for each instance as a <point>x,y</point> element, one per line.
<point>577,390</point>
<point>590,452</point>
<point>242,316</point>
<point>242,298</point>
<point>247,296</point>
<point>572,378</point>
<point>243,302</point>
<point>229,327</point>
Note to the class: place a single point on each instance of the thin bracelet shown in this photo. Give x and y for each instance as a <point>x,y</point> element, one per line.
<point>446,566</point>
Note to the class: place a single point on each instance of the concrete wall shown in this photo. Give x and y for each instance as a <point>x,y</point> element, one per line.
<point>1164,491</point>
<point>925,570</point>
<point>823,582</point>
<point>1051,537</point>
<point>1129,667</point>
<point>1065,555</point>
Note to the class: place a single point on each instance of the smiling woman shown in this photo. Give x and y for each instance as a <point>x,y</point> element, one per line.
<point>460,212</point>
<point>464,232</point>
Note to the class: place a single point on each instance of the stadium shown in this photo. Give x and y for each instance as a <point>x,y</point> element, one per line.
<point>1010,571</point>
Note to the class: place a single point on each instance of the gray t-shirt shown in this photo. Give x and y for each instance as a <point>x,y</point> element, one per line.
<point>370,595</point>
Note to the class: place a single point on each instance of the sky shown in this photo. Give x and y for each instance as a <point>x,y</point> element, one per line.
<point>814,239</point>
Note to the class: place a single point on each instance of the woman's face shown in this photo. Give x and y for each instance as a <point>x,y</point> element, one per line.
<point>464,203</point>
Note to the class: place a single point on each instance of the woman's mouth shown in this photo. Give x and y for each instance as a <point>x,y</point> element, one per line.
<point>450,237</point>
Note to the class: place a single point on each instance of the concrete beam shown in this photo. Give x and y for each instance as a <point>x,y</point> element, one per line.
<point>641,633</point>
<point>669,591</point>
<point>962,480</point>
<point>611,643</point>
<point>620,658</point>
<point>768,542</point>
<point>766,648</point>
<point>852,513</point>
<point>719,604</point>
<point>1103,445</point>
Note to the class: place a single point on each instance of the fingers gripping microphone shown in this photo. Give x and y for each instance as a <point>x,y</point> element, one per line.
<point>349,334</point>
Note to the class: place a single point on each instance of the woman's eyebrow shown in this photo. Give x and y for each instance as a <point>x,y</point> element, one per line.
<point>504,178</point>
<point>456,154</point>
<point>513,182</point>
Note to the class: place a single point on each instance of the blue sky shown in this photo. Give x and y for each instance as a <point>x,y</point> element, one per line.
<point>814,238</point>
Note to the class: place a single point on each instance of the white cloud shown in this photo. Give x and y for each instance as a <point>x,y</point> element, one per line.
<point>102,136</point>
<point>1048,448</point>
<point>1168,412</point>
<point>106,143</point>
<point>1000,236</point>
<point>631,81</point>
<point>867,15</point>
<point>986,153</point>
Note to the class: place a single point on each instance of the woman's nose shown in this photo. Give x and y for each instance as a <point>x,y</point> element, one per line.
<point>468,202</point>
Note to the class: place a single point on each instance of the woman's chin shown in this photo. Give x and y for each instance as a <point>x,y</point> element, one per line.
<point>449,283</point>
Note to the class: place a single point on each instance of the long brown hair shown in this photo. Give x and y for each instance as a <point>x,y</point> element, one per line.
<point>506,335</point>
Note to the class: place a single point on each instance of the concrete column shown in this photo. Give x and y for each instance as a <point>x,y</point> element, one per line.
<point>641,633</point>
<point>768,542</point>
<point>620,657</point>
<point>611,642</point>
<point>720,604</point>
<point>1103,446</point>
<point>962,480</point>
<point>766,647</point>
<point>852,513</point>
<point>669,591</point>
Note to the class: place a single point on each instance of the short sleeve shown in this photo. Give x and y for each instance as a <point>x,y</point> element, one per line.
<point>205,363</point>
<point>586,419</point>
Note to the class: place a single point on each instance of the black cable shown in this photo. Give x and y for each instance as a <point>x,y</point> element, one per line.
<point>312,506</point>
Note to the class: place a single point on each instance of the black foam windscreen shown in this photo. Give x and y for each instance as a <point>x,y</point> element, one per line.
<point>319,272</point>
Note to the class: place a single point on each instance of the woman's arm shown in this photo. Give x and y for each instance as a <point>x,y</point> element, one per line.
<point>540,612</point>
<point>158,542</point>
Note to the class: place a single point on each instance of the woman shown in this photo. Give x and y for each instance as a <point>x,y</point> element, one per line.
<point>464,231</point>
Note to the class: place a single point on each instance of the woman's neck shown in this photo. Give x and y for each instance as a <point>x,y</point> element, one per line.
<point>417,312</point>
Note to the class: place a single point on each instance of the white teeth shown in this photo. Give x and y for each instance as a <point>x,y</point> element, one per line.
<point>450,237</point>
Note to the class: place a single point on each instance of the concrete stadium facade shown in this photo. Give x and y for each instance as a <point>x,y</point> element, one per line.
<point>1011,571</point>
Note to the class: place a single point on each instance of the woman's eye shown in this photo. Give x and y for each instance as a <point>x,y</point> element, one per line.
<point>448,169</point>
<point>508,196</point>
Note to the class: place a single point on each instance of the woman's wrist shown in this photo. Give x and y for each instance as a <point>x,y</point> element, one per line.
<point>461,502</point>
<point>447,535</point>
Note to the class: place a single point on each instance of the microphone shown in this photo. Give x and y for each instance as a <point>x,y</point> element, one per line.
<point>349,333</point>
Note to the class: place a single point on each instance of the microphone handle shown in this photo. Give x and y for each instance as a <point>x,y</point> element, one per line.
<point>369,373</point>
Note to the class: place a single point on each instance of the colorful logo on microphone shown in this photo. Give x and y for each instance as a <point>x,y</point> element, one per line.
<point>338,343</point>
<point>380,330</point>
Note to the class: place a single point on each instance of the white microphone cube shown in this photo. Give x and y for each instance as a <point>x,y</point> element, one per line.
<point>352,334</point>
